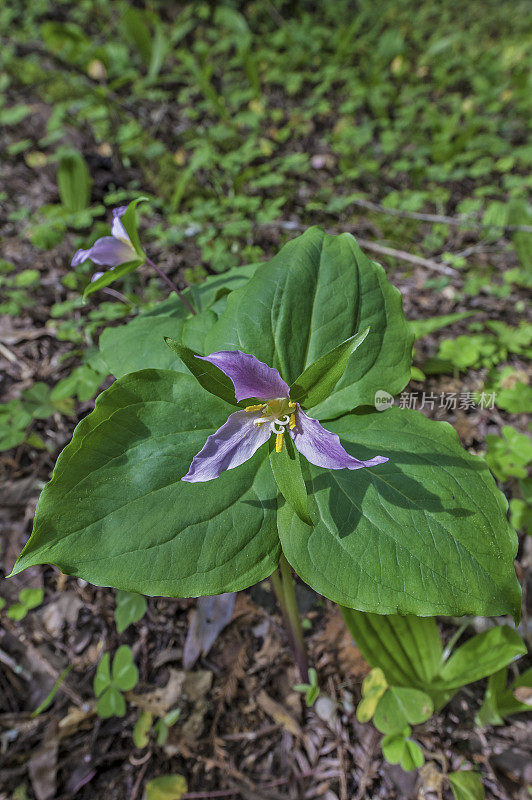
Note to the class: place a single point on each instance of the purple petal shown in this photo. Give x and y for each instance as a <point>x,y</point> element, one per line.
<point>232,444</point>
<point>251,378</point>
<point>117,228</point>
<point>107,252</point>
<point>323,448</point>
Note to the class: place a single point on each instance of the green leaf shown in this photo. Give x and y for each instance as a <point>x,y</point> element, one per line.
<point>117,513</point>
<point>316,383</point>
<point>210,377</point>
<point>310,690</point>
<point>129,221</point>
<point>466,785</point>
<point>398,749</point>
<point>17,611</point>
<point>74,181</point>
<point>286,468</point>
<point>166,787</point>
<point>425,533</point>
<point>400,706</point>
<point>49,698</point>
<point>111,703</point>
<point>393,746</point>
<point>135,28</point>
<point>31,598</point>
<point>318,291</point>
<point>407,648</point>
<point>142,729</point>
<point>130,607</point>
<point>111,275</point>
<point>422,327</point>
<point>102,678</point>
<point>413,757</point>
<point>482,655</point>
<point>500,701</point>
<point>139,344</point>
<point>125,675</point>
<point>373,688</point>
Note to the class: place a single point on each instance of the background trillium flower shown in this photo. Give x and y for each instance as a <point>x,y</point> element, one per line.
<point>245,431</point>
<point>109,251</point>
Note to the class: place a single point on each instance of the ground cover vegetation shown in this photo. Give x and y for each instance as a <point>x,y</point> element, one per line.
<point>240,126</point>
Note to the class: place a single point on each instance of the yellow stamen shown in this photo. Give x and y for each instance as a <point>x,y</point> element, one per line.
<point>278,442</point>
<point>253,408</point>
<point>292,423</point>
<point>260,421</point>
<point>291,404</point>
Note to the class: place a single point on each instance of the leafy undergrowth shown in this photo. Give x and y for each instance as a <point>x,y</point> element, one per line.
<point>243,124</point>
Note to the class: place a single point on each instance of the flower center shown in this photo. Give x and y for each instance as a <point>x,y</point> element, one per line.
<point>274,413</point>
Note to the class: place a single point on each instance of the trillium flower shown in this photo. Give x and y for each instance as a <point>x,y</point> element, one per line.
<point>109,251</point>
<point>246,430</point>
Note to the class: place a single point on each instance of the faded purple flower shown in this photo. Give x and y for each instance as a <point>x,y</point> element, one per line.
<point>109,251</point>
<point>246,430</point>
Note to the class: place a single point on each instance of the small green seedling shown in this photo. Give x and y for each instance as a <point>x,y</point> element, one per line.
<point>166,787</point>
<point>373,688</point>
<point>311,690</point>
<point>501,701</point>
<point>508,456</point>
<point>394,709</point>
<point>28,599</point>
<point>144,726</point>
<point>466,785</point>
<point>398,748</point>
<point>109,684</point>
<point>130,608</point>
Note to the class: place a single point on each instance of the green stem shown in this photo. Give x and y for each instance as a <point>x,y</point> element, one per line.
<point>284,587</point>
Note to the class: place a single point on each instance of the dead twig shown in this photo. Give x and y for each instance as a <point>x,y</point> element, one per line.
<point>419,261</point>
<point>441,218</point>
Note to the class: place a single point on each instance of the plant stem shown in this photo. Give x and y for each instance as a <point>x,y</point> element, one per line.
<point>283,585</point>
<point>170,283</point>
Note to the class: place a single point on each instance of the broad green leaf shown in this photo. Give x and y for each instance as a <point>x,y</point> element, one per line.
<point>400,706</point>
<point>111,703</point>
<point>316,383</point>
<point>466,785</point>
<point>130,607</point>
<point>425,533</point>
<point>407,648</point>
<point>117,513</point>
<point>209,376</point>
<point>139,344</point>
<point>482,655</point>
<point>286,468</point>
<point>102,678</point>
<point>318,291</point>
<point>166,787</point>
<point>125,675</point>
